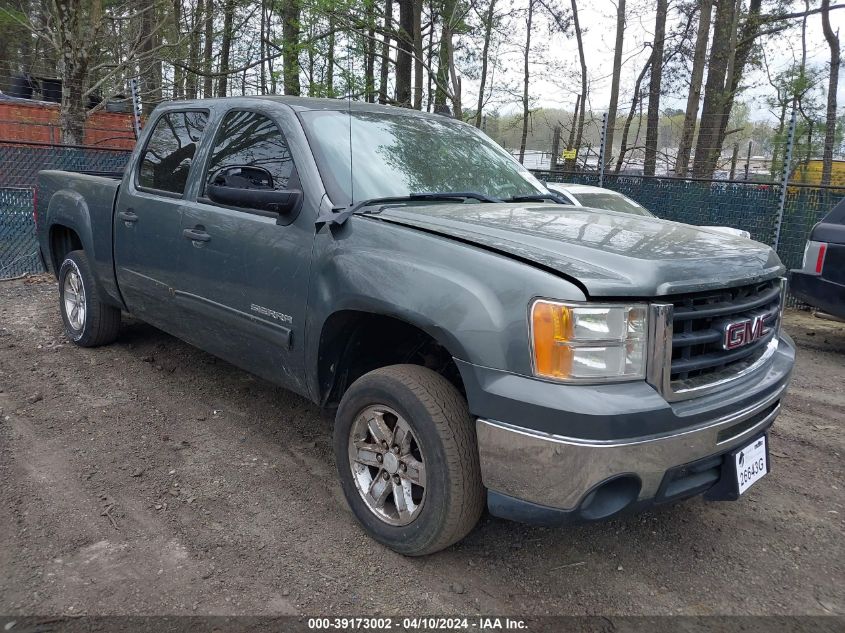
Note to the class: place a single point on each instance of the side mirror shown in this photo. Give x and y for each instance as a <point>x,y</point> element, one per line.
<point>251,187</point>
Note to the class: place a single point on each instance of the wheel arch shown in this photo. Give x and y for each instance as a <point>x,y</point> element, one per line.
<point>353,342</point>
<point>63,240</point>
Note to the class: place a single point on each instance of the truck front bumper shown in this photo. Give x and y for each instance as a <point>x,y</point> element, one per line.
<point>569,453</point>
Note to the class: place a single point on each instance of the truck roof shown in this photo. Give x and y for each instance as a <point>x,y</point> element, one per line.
<point>301,104</point>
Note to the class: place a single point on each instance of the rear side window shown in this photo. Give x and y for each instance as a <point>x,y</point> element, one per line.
<point>251,139</point>
<point>170,151</point>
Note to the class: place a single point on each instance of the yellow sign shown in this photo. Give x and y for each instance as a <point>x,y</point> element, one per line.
<point>569,154</point>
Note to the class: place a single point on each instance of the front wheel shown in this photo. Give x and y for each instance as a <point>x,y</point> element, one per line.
<point>407,457</point>
<point>88,321</point>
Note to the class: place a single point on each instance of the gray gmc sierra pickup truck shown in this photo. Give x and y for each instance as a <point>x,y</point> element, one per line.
<point>479,342</point>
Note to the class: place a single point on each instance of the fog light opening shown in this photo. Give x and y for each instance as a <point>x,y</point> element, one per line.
<point>610,497</point>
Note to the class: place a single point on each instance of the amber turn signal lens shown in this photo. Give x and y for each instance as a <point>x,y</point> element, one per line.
<point>552,325</point>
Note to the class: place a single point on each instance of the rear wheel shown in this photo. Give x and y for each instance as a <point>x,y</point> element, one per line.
<point>88,321</point>
<point>407,457</point>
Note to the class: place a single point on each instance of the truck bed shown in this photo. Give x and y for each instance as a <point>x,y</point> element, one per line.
<point>81,203</point>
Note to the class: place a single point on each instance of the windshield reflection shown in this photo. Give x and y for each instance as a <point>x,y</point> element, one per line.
<point>398,154</point>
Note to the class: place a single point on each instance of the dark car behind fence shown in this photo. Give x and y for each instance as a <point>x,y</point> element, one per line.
<point>752,206</point>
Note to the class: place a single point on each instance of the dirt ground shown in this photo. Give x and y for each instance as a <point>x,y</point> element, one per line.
<point>150,478</point>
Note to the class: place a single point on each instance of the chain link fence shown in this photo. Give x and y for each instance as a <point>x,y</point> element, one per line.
<point>751,206</point>
<point>19,167</point>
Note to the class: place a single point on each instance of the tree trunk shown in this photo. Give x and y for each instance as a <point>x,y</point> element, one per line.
<point>329,85</point>
<point>226,47</point>
<point>743,42</point>
<point>706,148</point>
<point>580,127</point>
<point>485,52</point>
<point>614,83</point>
<point>404,57</point>
<point>385,52</point>
<point>75,35</point>
<point>150,67</point>
<point>262,49</point>
<point>722,101</point>
<point>441,89</point>
<point>623,148</point>
<point>192,78</point>
<point>291,30</point>
<point>832,86</point>
<point>72,113</point>
<point>418,55</point>
<point>653,115</point>
<point>178,88</point>
<point>370,54</point>
<point>694,97</point>
<point>208,50</point>
<point>457,109</point>
<point>526,77</point>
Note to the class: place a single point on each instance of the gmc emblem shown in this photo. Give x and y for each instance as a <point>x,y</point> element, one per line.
<point>740,333</point>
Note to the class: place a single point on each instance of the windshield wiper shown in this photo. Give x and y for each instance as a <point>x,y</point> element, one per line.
<point>539,197</point>
<point>339,216</point>
<point>423,196</point>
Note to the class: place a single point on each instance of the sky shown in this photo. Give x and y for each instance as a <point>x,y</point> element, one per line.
<point>598,23</point>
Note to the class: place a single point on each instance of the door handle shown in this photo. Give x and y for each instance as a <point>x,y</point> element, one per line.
<point>128,216</point>
<point>196,235</point>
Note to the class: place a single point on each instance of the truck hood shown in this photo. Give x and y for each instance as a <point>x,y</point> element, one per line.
<point>606,252</point>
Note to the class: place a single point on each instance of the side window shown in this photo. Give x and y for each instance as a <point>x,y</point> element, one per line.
<point>249,139</point>
<point>167,158</point>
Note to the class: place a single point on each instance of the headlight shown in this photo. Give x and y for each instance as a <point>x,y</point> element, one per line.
<point>588,342</point>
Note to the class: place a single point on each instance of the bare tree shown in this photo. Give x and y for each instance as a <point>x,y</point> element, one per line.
<point>614,82</point>
<point>654,86</point>
<point>485,55</point>
<point>418,55</point>
<point>291,31</point>
<point>525,80</point>
<point>226,49</point>
<point>623,148</point>
<point>404,57</point>
<point>191,87</point>
<point>444,61</point>
<point>580,114</point>
<point>208,50</point>
<point>696,77</point>
<point>385,52</point>
<point>832,86</point>
<point>151,68</point>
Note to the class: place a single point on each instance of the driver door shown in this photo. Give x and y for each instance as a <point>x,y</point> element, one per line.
<point>244,272</point>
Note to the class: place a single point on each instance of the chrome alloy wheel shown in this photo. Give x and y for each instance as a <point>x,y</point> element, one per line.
<point>74,298</point>
<point>387,465</point>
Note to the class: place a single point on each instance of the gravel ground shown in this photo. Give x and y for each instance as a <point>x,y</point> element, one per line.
<point>150,478</point>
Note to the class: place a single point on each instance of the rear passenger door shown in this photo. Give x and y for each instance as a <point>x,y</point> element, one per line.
<point>244,272</point>
<point>148,214</point>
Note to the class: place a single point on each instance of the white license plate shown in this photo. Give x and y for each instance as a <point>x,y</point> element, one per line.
<point>751,463</point>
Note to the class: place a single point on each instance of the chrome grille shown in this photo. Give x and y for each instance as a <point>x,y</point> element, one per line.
<point>698,327</point>
<point>689,333</point>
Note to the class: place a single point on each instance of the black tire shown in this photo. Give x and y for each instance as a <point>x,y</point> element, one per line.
<point>101,322</point>
<point>445,431</point>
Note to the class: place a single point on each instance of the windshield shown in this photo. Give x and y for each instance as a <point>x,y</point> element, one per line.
<point>611,202</point>
<point>399,154</point>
